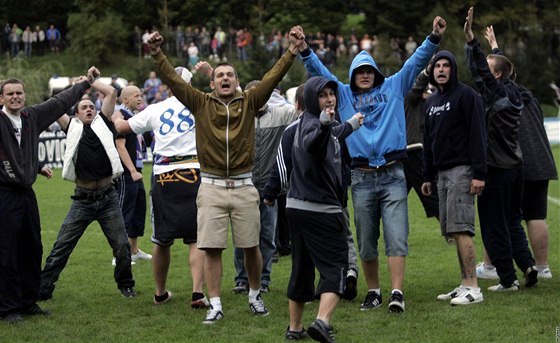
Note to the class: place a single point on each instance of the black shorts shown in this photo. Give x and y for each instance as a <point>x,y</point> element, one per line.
<point>318,241</point>
<point>174,206</point>
<point>535,200</point>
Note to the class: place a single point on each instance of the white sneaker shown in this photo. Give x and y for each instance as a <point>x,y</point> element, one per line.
<point>499,288</point>
<point>482,272</point>
<point>451,295</point>
<point>140,255</point>
<point>467,296</point>
<point>544,273</point>
<point>114,262</point>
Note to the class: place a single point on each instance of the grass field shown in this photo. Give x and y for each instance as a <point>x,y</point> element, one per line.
<point>87,306</point>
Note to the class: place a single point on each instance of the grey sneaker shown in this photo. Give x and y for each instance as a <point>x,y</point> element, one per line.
<point>321,331</point>
<point>295,335</point>
<point>127,292</point>
<point>258,308</point>
<point>140,255</point>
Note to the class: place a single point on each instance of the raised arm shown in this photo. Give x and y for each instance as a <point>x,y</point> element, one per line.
<point>110,95</point>
<point>490,37</point>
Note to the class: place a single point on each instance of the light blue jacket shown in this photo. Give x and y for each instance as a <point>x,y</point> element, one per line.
<point>382,138</point>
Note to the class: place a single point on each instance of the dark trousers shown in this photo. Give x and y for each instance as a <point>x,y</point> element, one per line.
<point>499,209</point>
<point>282,231</point>
<point>20,250</point>
<point>83,212</point>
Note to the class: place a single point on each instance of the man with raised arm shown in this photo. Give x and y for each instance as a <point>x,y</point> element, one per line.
<point>225,139</point>
<point>20,231</point>
<point>379,190</point>
<point>91,160</point>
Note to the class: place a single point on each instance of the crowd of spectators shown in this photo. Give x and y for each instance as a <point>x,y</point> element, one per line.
<point>15,41</point>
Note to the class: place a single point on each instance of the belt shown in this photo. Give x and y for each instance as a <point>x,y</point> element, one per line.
<point>167,160</point>
<point>227,183</point>
<point>379,168</point>
<point>91,195</point>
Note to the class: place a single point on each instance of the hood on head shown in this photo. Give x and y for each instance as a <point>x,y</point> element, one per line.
<point>361,59</point>
<point>311,93</point>
<point>453,79</point>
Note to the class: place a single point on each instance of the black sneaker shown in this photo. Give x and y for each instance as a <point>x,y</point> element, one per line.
<point>373,300</point>
<point>44,296</point>
<point>295,335</point>
<point>35,310</point>
<point>321,331</point>
<point>12,318</point>
<point>258,308</point>
<point>351,290</point>
<point>128,292</point>
<point>396,302</point>
<point>241,288</point>
<point>531,276</point>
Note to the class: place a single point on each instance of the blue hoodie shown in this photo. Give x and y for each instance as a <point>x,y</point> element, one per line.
<point>382,138</point>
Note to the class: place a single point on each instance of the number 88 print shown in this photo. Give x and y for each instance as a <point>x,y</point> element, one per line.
<point>183,122</point>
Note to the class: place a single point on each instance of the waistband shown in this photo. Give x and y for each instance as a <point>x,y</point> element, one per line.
<point>378,169</point>
<point>91,194</point>
<point>166,160</point>
<point>227,183</point>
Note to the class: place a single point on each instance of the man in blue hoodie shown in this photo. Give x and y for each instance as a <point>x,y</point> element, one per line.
<point>378,183</point>
<point>455,150</point>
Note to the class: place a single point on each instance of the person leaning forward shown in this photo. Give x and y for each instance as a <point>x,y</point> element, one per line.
<point>225,139</point>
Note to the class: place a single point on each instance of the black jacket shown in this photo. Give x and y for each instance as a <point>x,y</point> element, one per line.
<point>19,163</point>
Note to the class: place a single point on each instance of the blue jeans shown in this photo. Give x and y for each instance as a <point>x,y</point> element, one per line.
<point>82,213</point>
<point>266,244</point>
<point>380,195</point>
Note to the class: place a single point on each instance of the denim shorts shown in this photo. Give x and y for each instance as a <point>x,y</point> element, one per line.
<point>380,196</point>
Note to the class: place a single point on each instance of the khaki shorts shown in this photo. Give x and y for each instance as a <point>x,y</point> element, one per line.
<point>217,205</point>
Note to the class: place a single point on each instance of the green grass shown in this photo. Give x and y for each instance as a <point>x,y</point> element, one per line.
<point>88,308</point>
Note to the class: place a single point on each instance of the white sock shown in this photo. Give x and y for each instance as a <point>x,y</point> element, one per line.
<point>376,290</point>
<point>253,293</point>
<point>396,291</point>
<point>216,303</point>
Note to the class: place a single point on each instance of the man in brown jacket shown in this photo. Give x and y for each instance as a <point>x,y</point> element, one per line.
<point>225,136</point>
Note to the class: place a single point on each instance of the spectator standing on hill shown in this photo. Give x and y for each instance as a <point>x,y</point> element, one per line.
<point>225,136</point>
<point>499,205</point>
<point>54,38</point>
<point>151,87</point>
<point>20,229</point>
<point>377,151</point>
<point>40,40</point>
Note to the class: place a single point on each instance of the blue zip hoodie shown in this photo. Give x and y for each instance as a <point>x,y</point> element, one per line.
<point>382,138</point>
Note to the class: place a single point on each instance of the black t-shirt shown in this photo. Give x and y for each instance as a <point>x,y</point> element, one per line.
<point>92,161</point>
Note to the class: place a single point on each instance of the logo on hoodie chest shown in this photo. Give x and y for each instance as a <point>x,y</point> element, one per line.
<point>371,106</point>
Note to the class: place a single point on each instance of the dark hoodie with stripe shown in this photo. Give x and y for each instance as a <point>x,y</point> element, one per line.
<point>316,182</point>
<point>455,130</point>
